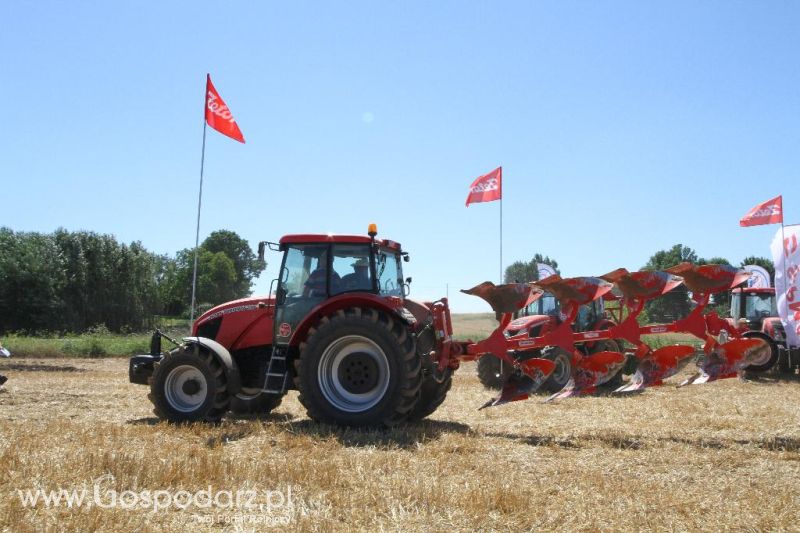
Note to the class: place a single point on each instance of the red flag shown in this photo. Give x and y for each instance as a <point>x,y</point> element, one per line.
<point>218,115</point>
<point>486,188</point>
<point>770,212</point>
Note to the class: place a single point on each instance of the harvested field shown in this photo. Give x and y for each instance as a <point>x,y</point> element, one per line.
<point>713,457</point>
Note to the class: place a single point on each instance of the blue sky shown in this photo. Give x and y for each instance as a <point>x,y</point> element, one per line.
<point>623,128</point>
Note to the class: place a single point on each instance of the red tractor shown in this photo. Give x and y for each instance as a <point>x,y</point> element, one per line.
<point>754,314</point>
<point>542,316</point>
<point>340,330</point>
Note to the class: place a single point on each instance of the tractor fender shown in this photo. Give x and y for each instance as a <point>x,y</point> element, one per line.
<point>222,355</point>
<point>342,301</point>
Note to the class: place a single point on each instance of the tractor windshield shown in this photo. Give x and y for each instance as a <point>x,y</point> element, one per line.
<point>389,272</point>
<point>759,305</point>
<point>351,266</point>
<point>546,305</point>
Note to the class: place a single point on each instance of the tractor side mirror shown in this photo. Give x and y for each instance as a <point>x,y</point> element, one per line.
<point>406,287</point>
<point>406,257</point>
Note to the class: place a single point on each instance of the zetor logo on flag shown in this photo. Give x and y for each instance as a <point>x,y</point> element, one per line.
<point>770,212</point>
<point>218,115</point>
<point>486,188</point>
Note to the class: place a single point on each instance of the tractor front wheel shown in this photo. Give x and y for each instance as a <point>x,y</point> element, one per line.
<point>563,370</point>
<point>189,385</point>
<point>358,367</point>
<point>492,372</point>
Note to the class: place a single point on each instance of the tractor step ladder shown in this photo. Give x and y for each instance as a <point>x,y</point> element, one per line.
<point>277,372</point>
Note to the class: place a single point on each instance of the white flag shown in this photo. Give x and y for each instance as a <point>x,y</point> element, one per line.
<point>545,270</point>
<point>786,256</point>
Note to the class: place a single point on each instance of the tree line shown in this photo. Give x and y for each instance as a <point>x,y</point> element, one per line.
<point>71,281</point>
<point>673,305</point>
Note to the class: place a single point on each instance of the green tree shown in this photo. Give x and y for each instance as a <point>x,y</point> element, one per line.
<point>245,262</point>
<point>216,278</point>
<point>216,282</point>
<point>524,271</point>
<point>70,281</point>
<point>674,304</point>
<point>30,280</point>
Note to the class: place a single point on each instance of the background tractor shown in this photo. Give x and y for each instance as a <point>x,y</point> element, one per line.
<point>340,330</point>
<point>541,316</point>
<point>754,314</point>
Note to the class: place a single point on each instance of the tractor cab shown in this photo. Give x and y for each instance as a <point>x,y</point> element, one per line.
<point>319,268</point>
<point>750,306</point>
<point>547,308</point>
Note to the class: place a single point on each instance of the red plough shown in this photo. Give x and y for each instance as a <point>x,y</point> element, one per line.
<point>590,371</point>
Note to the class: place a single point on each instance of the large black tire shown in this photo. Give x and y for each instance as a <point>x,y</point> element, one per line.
<point>260,404</point>
<point>609,345</point>
<point>491,373</point>
<point>431,395</point>
<point>774,353</point>
<point>189,385</point>
<point>563,371</point>
<point>359,367</point>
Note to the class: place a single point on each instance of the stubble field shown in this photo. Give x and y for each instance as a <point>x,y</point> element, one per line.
<point>720,456</point>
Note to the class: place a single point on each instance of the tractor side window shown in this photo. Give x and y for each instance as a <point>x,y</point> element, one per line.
<point>389,272</point>
<point>736,299</point>
<point>305,271</point>
<point>549,305</point>
<point>351,265</point>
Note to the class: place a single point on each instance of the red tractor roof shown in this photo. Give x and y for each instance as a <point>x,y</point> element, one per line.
<point>306,238</point>
<point>755,290</point>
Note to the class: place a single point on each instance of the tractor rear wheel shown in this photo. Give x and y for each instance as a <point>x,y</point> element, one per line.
<point>773,358</point>
<point>255,404</point>
<point>563,370</point>
<point>189,385</point>
<point>492,372</point>
<point>358,367</point>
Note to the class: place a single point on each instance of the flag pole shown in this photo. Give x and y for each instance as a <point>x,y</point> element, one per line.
<point>501,239</point>
<point>197,232</point>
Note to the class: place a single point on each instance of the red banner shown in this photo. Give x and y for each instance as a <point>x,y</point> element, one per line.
<point>218,115</point>
<point>486,188</point>
<point>770,212</point>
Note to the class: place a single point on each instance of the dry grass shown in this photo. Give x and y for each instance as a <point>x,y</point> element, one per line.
<point>714,457</point>
<point>474,326</point>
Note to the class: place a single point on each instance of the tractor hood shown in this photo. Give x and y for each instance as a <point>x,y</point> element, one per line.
<point>238,324</point>
<point>234,306</point>
<point>526,323</point>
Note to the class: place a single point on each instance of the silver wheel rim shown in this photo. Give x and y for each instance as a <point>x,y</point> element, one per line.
<point>178,387</point>
<point>248,394</point>
<point>330,367</point>
<point>561,373</point>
